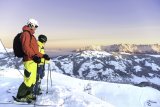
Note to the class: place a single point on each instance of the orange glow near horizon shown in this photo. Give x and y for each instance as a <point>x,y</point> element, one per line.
<point>144,35</point>
<point>75,24</point>
<point>83,43</point>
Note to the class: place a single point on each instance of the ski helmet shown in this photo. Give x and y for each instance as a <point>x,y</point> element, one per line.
<point>42,38</point>
<point>32,22</point>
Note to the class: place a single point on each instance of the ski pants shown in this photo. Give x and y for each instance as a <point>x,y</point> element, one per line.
<point>40,75</point>
<point>30,73</point>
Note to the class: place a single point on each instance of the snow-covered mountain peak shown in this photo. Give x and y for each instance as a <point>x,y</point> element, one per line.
<point>97,54</point>
<point>132,48</point>
<point>128,48</point>
<point>91,48</point>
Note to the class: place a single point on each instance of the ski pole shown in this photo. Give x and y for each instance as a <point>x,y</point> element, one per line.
<point>47,79</point>
<point>37,78</point>
<point>50,75</point>
<point>10,57</point>
<point>44,65</point>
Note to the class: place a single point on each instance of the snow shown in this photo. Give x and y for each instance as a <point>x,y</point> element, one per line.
<point>98,66</point>
<point>68,65</point>
<point>84,67</point>
<point>125,53</point>
<point>88,66</point>
<point>97,54</point>
<point>152,65</point>
<point>107,71</point>
<point>2,55</point>
<point>157,56</point>
<point>137,79</point>
<point>137,68</point>
<point>133,48</point>
<point>154,80</point>
<point>139,60</point>
<point>71,92</point>
<point>118,65</point>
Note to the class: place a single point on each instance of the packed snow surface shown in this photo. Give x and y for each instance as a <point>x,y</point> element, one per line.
<point>67,91</point>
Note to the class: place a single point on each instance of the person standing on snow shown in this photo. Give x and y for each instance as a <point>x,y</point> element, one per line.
<point>31,58</point>
<point>42,39</point>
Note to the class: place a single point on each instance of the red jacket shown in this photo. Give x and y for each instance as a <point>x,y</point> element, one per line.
<point>29,44</point>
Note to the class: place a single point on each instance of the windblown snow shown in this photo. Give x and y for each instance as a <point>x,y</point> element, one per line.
<point>67,91</point>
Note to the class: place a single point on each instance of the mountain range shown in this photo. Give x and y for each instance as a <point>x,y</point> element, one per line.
<point>128,64</point>
<point>136,69</point>
<point>125,68</point>
<point>128,48</point>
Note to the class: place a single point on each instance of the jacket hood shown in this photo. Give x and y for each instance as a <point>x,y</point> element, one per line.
<point>26,28</point>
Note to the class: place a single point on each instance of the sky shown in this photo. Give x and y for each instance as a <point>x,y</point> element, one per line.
<point>79,23</point>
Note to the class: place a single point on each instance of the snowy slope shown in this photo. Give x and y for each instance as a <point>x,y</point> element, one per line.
<point>137,69</point>
<point>71,92</point>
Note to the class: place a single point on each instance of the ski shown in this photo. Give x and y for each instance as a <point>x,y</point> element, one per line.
<point>28,102</point>
<point>22,102</point>
<point>14,103</point>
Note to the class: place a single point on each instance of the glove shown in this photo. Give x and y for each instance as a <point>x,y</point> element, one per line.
<point>36,59</point>
<point>46,57</point>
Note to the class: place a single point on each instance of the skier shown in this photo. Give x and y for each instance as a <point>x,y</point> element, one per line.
<point>42,39</point>
<point>31,58</point>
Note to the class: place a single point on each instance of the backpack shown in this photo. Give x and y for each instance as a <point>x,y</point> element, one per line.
<point>17,46</point>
